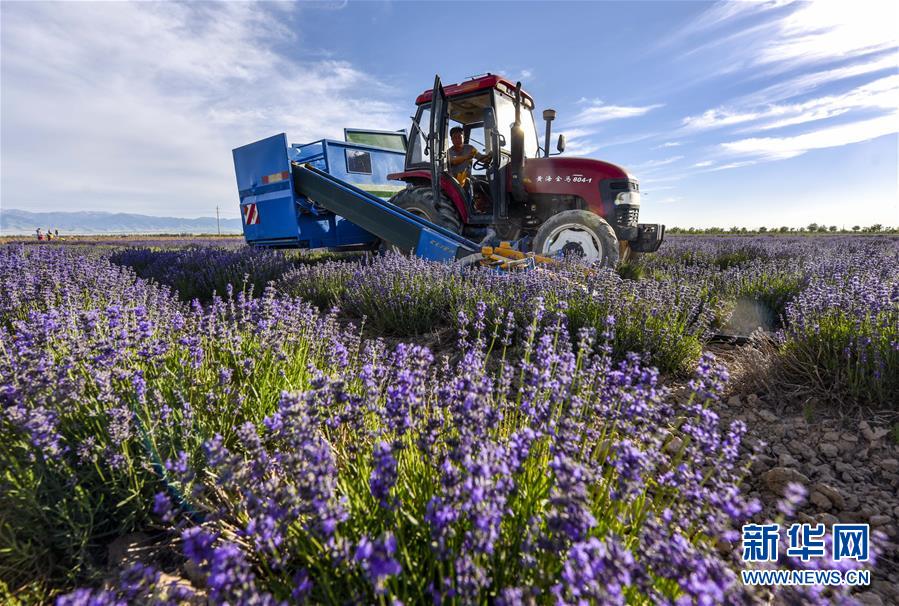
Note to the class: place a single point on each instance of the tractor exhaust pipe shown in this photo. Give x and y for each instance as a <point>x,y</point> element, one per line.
<point>549,115</point>
<point>516,161</point>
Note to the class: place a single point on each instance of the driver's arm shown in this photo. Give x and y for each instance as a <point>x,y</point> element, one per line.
<point>457,160</point>
<point>475,155</point>
<point>462,159</point>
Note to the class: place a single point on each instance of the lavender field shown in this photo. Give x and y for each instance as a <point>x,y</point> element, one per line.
<point>216,424</point>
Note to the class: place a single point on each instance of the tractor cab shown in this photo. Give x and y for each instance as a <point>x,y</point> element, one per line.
<point>467,105</point>
<point>485,109</point>
<point>517,190</point>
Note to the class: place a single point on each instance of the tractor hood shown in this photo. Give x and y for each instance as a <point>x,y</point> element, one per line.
<point>575,176</point>
<point>591,181</point>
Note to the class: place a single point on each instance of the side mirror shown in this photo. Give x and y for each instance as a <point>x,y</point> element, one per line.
<point>561,144</point>
<point>489,118</point>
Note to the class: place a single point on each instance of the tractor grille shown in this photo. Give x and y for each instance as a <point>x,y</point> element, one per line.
<point>624,186</point>
<point>627,216</point>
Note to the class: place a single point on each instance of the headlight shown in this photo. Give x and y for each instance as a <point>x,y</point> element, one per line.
<point>628,197</point>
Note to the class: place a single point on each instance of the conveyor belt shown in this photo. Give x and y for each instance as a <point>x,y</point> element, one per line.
<point>387,221</point>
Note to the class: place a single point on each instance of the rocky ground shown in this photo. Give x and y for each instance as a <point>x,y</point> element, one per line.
<point>848,461</point>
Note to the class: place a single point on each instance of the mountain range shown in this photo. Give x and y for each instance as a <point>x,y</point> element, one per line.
<point>17,222</point>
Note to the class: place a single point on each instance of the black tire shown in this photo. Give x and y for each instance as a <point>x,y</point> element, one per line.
<point>420,201</point>
<point>578,232</point>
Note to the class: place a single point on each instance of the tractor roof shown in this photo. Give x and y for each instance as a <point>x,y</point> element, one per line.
<point>480,83</point>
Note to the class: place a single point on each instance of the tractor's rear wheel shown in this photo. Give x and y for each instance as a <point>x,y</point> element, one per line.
<point>420,201</point>
<point>578,232</point>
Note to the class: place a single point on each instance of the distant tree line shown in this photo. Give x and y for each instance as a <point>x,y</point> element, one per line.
<point>811,228</point>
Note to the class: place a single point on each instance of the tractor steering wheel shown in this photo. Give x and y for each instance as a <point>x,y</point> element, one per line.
<point>482,164</point>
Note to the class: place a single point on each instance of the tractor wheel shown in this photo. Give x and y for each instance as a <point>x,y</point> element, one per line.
<point>420,201</point>
<point>578,232</point>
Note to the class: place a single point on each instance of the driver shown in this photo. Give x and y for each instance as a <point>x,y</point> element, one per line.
<point>461,155</point>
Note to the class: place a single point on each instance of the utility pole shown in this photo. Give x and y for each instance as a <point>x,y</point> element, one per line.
<point>217,222</point>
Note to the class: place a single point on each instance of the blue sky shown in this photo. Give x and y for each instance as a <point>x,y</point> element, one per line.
<point>738,113</point>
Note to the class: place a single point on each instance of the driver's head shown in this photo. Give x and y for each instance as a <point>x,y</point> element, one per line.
<point>456,135</point>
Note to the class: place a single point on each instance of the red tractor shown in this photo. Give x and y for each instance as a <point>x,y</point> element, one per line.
<point>551,205</point>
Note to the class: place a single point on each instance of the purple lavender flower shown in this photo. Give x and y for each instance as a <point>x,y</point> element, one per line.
<point>197,544</point>
<point>90,597</point>
<point>40,425</point>
<point>794,496</point>
<point>384,473</point>
<point>595,571</point>
<point>376,559</point>
<point>496,468</point>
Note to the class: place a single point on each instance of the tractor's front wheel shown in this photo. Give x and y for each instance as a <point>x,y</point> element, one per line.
<point>420,201</point>
<point>578,232</point>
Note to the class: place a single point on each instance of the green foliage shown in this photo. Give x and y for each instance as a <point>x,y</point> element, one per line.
<point>219,370</point>
<point>135,376</point>
<point>322,284</point>
<point>841,339</point>
<point>404,296</point>
<point>733,259</point>
<point>631,271</point>
<point>670,337</point>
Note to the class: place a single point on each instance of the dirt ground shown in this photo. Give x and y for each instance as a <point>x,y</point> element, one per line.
<point>846,458</point>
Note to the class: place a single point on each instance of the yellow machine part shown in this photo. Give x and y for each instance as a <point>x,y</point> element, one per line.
<point>507,258</point>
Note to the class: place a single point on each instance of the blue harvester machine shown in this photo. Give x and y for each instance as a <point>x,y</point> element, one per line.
<point>325,195</point>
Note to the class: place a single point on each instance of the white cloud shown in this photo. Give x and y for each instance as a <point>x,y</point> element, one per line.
<point>718,15</point>
<point>808,82</point>
<point>668,144</point>
<point>831,30</point>
<point>882,94</point>
<point>585,141</point>
<point>627,139</point>
<point>829,39</point>
<point>600,112</point>
<point>776,148</point>
<point>647,183</point>
<point>329,5</point>
<point>137,105</point>
<point>730,165</point>
<point>602,143</point>
<point>657,163</point>
<point>578,133</point>
<point>668,200</point>
<point>578,142</point>
<point>524,75</point>
<point>703,164</point>
<point>810,34</point>
<point>718,117</point>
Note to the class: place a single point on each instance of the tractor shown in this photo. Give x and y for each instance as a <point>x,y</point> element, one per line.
<point>518,191</point>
